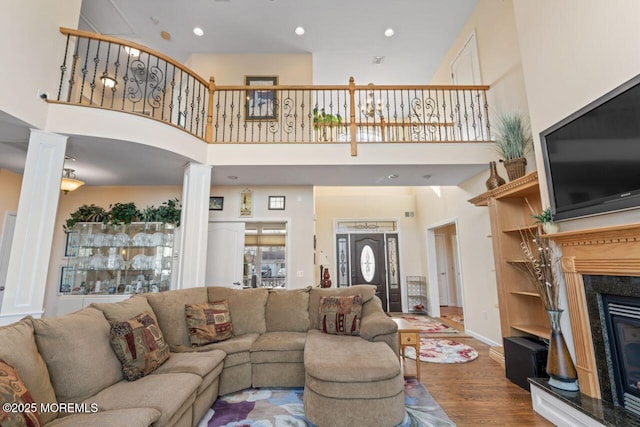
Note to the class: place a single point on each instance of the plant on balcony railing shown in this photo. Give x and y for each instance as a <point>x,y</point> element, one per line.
<point>322,121</point>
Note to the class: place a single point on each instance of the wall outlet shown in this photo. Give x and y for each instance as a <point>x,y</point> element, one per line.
<point>300,273</point>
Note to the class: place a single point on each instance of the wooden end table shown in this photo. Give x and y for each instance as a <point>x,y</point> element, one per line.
<point>408,336</point>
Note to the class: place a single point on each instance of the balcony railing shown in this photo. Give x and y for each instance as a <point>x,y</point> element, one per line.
<point>106,72</point>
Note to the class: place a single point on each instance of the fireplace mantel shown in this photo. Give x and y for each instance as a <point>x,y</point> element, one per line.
<point>601,251</point>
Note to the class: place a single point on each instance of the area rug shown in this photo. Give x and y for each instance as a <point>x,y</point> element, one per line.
<point>454,318</point>
<point>275,407</point>
<point>442,351</point>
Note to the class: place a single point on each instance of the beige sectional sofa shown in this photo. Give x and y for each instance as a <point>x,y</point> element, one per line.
<point>276,342</point>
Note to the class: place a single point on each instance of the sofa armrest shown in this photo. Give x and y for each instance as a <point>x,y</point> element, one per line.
<point>375,322</point>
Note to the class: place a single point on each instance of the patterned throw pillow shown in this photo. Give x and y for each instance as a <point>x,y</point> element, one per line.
<point>340,315</point>
<point>13,391</point>
<point>208,323</point>
<point>139,345</point>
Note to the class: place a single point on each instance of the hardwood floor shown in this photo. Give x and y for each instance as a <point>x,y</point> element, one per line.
<point>478,393</point>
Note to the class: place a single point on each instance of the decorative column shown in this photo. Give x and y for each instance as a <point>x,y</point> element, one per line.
<point>194,225</point>
<point>31,249</point>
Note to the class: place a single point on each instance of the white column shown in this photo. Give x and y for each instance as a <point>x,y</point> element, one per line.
<point>35,221</point>
<point>194,224</point>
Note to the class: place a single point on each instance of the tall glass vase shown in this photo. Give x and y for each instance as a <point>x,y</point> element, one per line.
<point>560,367</point>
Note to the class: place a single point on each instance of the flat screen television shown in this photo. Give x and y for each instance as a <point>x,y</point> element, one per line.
<point>592,157</point>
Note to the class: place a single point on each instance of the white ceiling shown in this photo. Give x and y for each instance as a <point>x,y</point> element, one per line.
<point>342,35</point>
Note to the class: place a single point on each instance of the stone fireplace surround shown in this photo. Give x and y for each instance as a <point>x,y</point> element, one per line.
<point>609,251</point>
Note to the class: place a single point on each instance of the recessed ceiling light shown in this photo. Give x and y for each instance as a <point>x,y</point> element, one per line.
<point>299,31</point>
<point>198,31</point>
<point>426,176</point>
<point>232,177</point>
<point>155,19</point>
<point>394,176</point>
<point>389,32</point>
<point>165,35</point>
<point>377,60</point>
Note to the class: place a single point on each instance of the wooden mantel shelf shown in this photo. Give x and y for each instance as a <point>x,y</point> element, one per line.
<point>516,187</point>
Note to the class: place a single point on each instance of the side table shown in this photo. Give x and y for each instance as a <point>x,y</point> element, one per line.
<point>408,336</point>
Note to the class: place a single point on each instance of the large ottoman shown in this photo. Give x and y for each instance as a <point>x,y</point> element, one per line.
<point>351,382</point>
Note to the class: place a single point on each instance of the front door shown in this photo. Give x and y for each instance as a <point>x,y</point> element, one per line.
<point>368,263</point>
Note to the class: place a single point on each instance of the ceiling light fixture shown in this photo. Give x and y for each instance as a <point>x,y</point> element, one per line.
<point>69,181</point>
<point>426,176</point>
<point>394,176</point>
<point>198,31</point>
<point>108,81</point>
<point>299,31</point>
<point>232,177</point>
<point>389,32</point>
<point>165,35</point>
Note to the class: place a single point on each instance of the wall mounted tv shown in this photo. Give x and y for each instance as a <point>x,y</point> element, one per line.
<point>592,157</point>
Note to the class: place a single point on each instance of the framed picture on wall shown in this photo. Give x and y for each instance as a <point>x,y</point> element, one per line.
<point>276,203</point>
<point>216,203</point>
<point>246,203</point>
<point>261,103</point>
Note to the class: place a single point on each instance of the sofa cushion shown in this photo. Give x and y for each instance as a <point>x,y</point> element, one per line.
<point>279,347</point>
<point>171,394</point>
<point>340,315</point>
<point>247,308</point>
<point>14,392</point>
<point>78,354</point>
<point>207,366</point>
<point>367,292</point>
<point>139,345</point>
<point>18,348</point>
<point>134,417</point>
<point>209,322</point>
<point>169,309</point>
<point>125,310</point>
<point>288,310</point>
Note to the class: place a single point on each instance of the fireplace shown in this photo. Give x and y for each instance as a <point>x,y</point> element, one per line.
<point>614,310</point>
<point>601,268</point>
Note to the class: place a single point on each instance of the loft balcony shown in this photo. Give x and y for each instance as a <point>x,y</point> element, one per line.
<point>105,72</point>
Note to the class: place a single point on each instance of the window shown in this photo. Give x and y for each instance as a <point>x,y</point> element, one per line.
<point>265,254</point>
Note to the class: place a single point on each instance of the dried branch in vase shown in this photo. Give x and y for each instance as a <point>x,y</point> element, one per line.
<point>541,266</point>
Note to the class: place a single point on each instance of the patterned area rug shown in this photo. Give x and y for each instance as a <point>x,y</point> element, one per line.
<point>429,325</point>
<point>275,407</point>
<point>442,351</point>
<point>454,318</point>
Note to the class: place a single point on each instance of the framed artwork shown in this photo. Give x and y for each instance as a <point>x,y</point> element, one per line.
<point>246,203</point>
<point>71,244</point>
<point>262,103</point>
<point>216,203</point>
<point>276,203</point>
<point>66,279</point>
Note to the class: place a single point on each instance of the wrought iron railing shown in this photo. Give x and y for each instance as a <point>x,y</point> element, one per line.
<point>111,73</point>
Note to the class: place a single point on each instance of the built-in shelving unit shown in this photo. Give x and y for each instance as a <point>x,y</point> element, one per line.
<point>510,205</point>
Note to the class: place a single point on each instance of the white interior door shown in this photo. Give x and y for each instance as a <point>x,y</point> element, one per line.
<point>465,67</point>
<point>456,270</point>
<point>442,269</point>
<point>5,248</point>
<point>225,253</point>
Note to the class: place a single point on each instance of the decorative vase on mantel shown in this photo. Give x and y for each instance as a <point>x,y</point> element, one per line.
<point>560,367</point>
<point>494,180</point>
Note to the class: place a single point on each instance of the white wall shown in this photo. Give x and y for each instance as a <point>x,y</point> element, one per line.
<point>10,184</point>
<point>574,51</point>
<point>298,214</point>
<point>230,69</point>
<point>382,203</point>
<point>32,49</point>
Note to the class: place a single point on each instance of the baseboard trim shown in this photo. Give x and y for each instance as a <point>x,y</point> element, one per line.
<point>485,340</point>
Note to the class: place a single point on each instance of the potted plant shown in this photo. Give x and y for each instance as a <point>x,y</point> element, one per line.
<point>85,213</point>
<point>322,120</point>
<point>546,220</point>
<point>513,141</point>
<point>167,213</point>
<point>123,213</point>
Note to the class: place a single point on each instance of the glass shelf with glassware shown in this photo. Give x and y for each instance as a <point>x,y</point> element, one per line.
<point>123,259</point>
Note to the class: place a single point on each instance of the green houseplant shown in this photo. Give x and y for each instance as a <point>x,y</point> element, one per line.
<point>85,213</point>
<point>322,121</point>
<point>167,213</point>
<point>513,141</point>
<point>123,213</point>
<point>545,218</point>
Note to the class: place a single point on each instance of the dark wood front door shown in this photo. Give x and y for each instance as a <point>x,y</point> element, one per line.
<point>368,263</point>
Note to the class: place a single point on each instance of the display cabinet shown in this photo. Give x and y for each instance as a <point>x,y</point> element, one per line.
<point>105,259</point>
<point>417,294</point>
